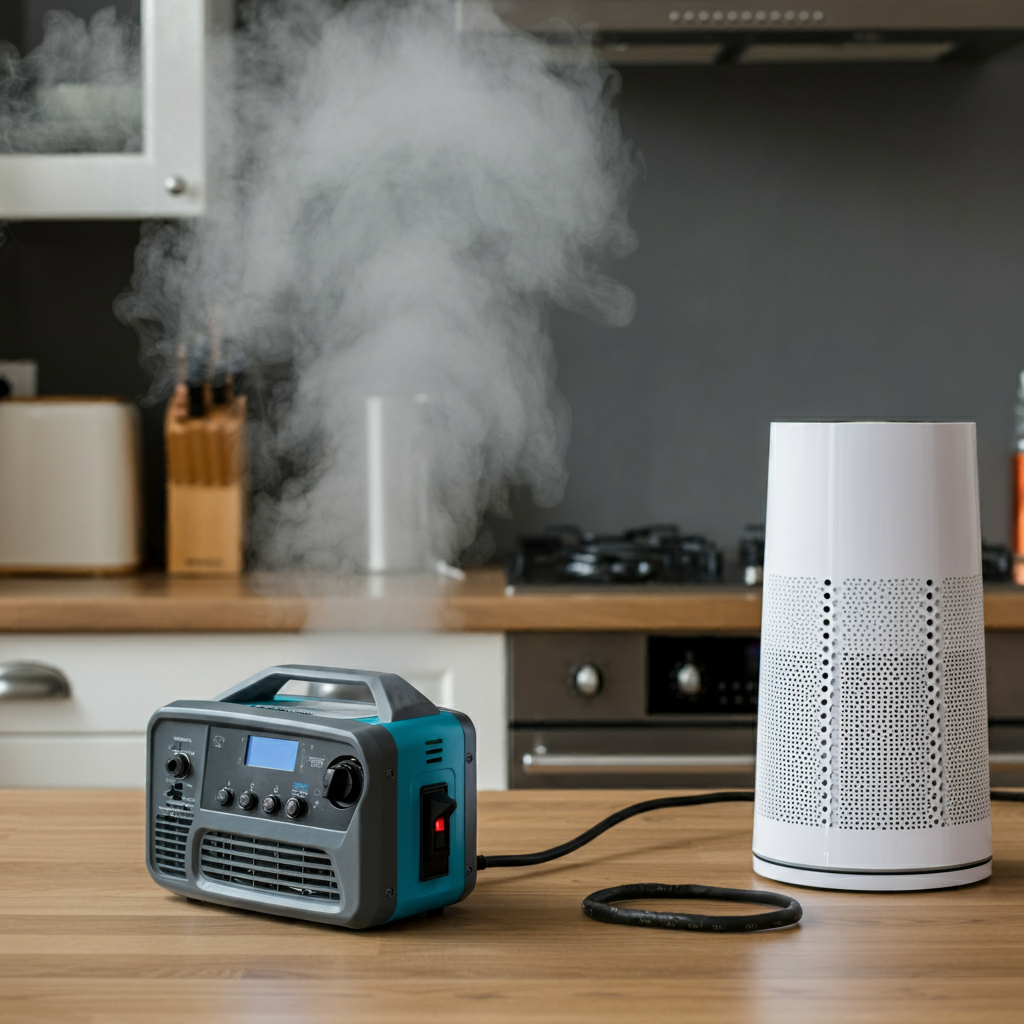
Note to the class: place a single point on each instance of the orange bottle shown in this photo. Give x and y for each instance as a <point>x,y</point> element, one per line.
<point>1018,518</point>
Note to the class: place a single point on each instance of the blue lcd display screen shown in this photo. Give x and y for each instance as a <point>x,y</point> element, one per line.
<point>267,752</point>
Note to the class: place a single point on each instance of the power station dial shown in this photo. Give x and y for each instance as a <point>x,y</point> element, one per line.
<point>296,807</point>
<point>178,765</point>
<point>271,804</point>
<point>247,801</point>
<point>225,796</point>
<point>343,781</point>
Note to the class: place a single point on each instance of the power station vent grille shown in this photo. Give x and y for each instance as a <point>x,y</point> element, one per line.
<point>266,864</point>
<point>876,720</point>
<point>170,833</point>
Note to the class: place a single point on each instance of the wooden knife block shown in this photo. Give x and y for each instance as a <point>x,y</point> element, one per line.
<point>206,490</point>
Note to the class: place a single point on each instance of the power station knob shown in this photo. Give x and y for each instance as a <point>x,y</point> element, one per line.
<point>688,681</point>
<point>247,801</point>
<point>178,766</point>
<point>587,681</point>
<point>271,805</point>
<point>343,781</point>
<point>296,807</point>
<point>225,796</point>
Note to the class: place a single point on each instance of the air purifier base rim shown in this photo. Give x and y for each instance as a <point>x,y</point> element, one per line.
<point>872,881</point>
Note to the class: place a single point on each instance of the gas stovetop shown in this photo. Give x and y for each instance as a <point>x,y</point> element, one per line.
<point>651,555</point>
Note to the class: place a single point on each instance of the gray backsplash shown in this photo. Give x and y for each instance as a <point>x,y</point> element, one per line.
<point>815,243</point>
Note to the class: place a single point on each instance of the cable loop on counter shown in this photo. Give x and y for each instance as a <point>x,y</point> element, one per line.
<point>598,905</point>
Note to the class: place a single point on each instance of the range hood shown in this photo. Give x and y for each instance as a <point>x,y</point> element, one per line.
<point>765,32</point>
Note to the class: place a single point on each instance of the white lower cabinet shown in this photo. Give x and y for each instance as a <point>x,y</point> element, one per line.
<point>96,738</point>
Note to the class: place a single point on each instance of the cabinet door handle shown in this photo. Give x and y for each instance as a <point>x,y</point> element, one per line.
<point>32,680</point>
<point>640,764</point>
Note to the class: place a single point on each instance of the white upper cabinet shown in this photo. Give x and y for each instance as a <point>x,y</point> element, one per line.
<point>105,118</point>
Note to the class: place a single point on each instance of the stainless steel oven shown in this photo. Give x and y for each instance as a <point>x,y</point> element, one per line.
<point>635,710</point>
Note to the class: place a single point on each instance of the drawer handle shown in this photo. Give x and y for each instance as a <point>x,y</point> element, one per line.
<point>639,764</point>
<point>1006,762</point>
<point>32,680</point>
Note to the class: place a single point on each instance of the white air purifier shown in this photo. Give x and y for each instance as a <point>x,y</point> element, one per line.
<point>872,741</point>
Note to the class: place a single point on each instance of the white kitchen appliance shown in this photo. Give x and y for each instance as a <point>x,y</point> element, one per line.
<point>69,485</point>
<point>397,485</point>
<point>872,747</point>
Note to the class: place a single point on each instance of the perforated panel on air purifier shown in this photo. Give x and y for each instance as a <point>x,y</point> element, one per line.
<point>795,701</point>
<point>963,643</point>
<point>872,703</point>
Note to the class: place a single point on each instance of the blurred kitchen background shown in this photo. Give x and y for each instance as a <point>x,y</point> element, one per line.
<point>815,242</point>
<point>826,241</point>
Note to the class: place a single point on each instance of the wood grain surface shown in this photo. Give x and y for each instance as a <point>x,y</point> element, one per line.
<point>282,603</point>
<point>86,936</point>
<point>286,603</point>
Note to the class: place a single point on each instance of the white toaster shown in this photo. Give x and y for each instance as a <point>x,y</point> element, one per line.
<point>69,485</point>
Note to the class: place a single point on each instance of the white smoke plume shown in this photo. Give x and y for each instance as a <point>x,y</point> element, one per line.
<point>79,90</point>
<point>396,206</point>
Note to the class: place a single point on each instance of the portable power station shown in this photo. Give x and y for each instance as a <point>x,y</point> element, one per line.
<point>319,807</point>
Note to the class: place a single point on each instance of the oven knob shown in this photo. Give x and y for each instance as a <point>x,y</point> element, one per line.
<point>688,681</point>
<point>178,766</point>
<point>587,681</point>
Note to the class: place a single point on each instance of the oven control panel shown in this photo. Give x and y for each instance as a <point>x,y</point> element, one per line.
<point>703,675</point>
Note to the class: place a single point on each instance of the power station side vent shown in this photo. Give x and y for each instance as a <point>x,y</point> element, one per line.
<point>170,832</point>
<point>435,751</point>
<point>302,871</point>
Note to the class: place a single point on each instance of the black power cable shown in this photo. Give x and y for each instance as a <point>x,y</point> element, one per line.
<point>598,904</point>
<point>519,860</point>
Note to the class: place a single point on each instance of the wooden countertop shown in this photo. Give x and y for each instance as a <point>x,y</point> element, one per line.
<point>268,603</point>
<point>86,936</point>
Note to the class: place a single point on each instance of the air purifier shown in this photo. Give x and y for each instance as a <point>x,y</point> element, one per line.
<point>872,743</point>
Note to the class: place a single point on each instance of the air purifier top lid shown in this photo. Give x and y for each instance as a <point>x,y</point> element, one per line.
<point>861,423</point>
<point>873,500</point>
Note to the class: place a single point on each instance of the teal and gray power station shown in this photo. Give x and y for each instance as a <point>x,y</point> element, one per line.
<point>317,806</point>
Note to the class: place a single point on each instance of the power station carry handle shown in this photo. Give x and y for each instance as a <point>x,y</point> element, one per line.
<point>396,699</point>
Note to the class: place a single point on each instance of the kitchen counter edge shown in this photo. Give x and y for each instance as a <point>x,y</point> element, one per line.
<point>153,603</point>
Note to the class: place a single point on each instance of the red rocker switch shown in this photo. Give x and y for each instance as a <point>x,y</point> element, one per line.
<point>436,809</point>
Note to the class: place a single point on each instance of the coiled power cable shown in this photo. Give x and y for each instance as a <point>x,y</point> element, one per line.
<point>600,905</point>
